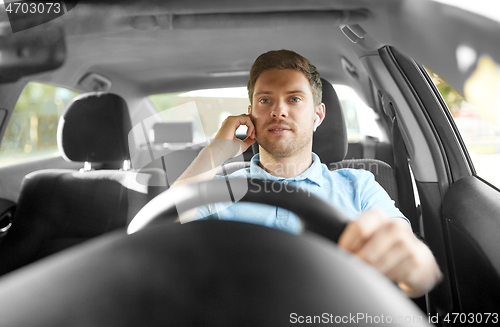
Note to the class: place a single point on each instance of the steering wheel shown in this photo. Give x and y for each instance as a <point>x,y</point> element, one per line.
<point>317,215</point>
<point>210,273</point>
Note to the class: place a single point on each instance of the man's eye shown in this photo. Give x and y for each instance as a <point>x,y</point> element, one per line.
<point>263,101</point>
<point>295,99</point>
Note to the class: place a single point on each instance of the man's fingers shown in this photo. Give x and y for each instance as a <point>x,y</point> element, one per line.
<point>246,143</point>
<point>250,131</point>
<point>358,232</point>
<point>242,119</point>
<point>399,266</point>
<point>393,234</point>
<point>395,263</point>
<point>231,124</point>
<point>388,245</point>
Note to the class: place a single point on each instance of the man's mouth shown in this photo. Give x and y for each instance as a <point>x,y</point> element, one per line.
<point>279,129</point>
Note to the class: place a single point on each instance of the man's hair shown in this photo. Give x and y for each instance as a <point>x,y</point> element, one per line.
<point>285,59</point>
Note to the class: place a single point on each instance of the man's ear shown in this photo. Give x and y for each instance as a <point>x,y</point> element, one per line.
<point>320,111</point>
<point>250,110</point>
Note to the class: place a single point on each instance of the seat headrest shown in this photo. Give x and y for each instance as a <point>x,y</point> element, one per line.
<point>94,127</point>
<point>330,139</point>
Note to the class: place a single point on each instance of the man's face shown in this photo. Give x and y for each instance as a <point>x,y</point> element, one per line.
<point>283,112</point>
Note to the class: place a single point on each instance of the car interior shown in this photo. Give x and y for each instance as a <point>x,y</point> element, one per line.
<point>89,230</point>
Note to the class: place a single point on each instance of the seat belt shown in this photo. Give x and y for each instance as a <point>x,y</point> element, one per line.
<point>403,178</point>
<point>369,147</point>
<point>402,170</point>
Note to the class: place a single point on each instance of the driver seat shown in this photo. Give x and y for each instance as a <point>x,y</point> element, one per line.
<point>330,144</point>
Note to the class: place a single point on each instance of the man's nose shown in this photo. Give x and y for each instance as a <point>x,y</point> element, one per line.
<point>280,111</point>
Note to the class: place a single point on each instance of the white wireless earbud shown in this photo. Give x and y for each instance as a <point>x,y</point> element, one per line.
<point>316,122</point>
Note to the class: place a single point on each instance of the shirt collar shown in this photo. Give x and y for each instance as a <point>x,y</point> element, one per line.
<point>312,174</point>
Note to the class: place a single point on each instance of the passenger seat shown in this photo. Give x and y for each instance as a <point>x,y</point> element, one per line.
<point>59,208</point>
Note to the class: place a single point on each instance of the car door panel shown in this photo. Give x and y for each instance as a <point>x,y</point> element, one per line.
<point>462,231</point>
<point>471,211</point>
<point>7,209</point>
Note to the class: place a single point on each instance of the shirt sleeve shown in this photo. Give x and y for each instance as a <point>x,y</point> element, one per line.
<point>373,195</point>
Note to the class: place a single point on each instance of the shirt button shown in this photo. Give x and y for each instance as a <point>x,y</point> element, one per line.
<point>285,182</point>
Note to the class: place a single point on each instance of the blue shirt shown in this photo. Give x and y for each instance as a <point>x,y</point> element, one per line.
<point>352,191</point>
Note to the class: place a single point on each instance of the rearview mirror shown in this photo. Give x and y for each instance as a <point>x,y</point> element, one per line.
<point>30,52</point>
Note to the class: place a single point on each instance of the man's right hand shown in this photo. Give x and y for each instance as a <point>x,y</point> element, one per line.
<point>228,129</point>
<point>224,146</point>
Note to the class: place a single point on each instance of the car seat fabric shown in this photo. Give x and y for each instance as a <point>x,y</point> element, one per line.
<point>58,208</point>
<point>333,147</point>
<point>94,127</point>
<point>330,139</point>
<point>383,172</point>
<point>371,148</point>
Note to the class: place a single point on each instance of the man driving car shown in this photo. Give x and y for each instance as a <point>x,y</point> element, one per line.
<point>285,109</point>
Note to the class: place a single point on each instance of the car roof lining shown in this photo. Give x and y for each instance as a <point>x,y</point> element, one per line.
<point>136,55</point>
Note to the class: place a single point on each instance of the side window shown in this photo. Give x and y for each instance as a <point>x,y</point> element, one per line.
<point>32,128</point>
<point>476,115</point>
<point>360,119</point>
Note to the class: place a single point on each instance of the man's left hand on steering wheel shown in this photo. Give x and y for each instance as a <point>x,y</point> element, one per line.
<point>388,245</point>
